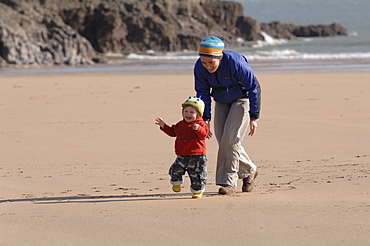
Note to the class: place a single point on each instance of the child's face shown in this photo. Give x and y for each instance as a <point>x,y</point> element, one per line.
<point>189,114</point>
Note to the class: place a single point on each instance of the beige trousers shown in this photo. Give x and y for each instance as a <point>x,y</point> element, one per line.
<point>231,122</point>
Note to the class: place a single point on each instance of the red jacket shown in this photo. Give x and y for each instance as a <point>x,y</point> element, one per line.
<point>188,141</point>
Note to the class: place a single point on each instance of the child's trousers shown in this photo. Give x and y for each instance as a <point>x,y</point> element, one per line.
<point>196,166</point>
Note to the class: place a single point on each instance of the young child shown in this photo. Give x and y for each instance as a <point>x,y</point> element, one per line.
<point>190,147</point>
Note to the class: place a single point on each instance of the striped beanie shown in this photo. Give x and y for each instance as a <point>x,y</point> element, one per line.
<point>211,47</point>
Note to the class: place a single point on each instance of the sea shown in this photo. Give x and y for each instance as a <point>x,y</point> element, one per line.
<point>340,53</point>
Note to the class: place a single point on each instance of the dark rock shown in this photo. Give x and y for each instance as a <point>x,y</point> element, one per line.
<point>29,34</point>
<point>248,29</point>
<point>320,30</point>
<point>279,30</point>
<point>160,25</point>
<point>289,31</point>
<point>80,32</point>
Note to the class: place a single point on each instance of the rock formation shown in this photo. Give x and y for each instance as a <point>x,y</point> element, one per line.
<point>75,32</point>
<point>31,35</point>
<point>289,31</point>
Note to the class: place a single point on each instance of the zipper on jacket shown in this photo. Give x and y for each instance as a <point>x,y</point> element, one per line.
<point>218,81</point>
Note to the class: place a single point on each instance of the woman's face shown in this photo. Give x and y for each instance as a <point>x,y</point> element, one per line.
<point>209,63</point>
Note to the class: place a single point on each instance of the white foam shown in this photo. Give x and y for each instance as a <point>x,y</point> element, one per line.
<point>115,55</point>
<point>291,54</point>
<point>268,41</point>
<point>240,40</point>
<point>254,54</point>
<point>151,52</point>
<point>260,55</point>
<point>168,56</point>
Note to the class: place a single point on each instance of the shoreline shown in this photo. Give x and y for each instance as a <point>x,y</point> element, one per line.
<point>132,67</point>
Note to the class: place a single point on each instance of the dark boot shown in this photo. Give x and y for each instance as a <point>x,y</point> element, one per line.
<point>248,183</point>
<point>227,190</point>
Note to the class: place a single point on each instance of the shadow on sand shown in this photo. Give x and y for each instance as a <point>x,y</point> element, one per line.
<point>107,198</point>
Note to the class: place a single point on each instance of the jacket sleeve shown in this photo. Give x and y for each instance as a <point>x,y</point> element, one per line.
<point>202,89</point>
<point>170,131</point>
<point>202,132</point>
<point>251,85</point>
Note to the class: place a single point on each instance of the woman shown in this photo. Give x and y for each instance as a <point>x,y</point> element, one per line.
<point>228,79</point>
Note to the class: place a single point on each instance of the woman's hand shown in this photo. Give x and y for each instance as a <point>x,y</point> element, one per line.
<point>252,127</point>
<point>209,129</point>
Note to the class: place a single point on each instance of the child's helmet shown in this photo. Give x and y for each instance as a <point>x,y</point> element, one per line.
<point>195,102</point>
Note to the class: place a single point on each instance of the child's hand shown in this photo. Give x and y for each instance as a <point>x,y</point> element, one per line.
<point>160,122</point>
<point>195,127</point>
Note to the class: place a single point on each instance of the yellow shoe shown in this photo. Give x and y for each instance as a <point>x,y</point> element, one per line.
<point>197,195</point>
<point>176,188</point>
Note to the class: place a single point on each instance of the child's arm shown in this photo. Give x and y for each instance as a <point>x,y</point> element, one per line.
<point>160,122</point>
<point>165,128</point>
<point>201,130</point>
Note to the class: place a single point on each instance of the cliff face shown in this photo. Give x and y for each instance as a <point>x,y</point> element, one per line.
<point>31,35</point>
<point>79,31</point>
<point>160,25</point>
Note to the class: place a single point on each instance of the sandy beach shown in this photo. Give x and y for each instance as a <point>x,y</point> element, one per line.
<point>82,163</point>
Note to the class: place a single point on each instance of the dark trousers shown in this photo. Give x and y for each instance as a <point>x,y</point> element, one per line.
<point>196,166</point>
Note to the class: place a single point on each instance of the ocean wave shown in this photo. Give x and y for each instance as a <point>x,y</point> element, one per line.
<point>168,56</point>
<point>259,55</point>
<point>268,49</point>
<point>291,54</point>
<point>268,41</point>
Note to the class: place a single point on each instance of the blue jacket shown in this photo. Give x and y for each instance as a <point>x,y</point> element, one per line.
<point>233,79</point>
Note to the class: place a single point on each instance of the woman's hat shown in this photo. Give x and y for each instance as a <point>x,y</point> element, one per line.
<point>196,103</point>
<point>211,47</point>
